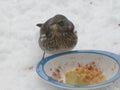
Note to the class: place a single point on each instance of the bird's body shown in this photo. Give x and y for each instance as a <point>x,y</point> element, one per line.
<point>57,35</point>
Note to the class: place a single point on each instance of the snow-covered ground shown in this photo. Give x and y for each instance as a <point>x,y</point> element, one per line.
<point>96,21</point>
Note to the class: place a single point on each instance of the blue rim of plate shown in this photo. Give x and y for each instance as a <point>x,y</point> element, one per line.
<point>40,69</point>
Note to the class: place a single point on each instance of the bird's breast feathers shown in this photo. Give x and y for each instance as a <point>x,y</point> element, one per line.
<point>57,43</point>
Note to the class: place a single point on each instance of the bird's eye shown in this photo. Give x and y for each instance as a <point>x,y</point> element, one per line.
<point>61,23</point>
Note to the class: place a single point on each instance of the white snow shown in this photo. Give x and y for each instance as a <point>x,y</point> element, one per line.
<point>96,22</point>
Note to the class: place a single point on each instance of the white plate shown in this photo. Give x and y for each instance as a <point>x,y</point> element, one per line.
<point>108,62</point>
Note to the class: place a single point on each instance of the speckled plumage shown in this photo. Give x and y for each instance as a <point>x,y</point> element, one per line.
<point>57,35</point>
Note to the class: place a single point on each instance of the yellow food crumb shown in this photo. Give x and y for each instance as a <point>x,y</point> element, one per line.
<point>84,75</point>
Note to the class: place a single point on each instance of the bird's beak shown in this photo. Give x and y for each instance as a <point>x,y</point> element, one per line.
<point>39,25</point>
<point>54,26</point>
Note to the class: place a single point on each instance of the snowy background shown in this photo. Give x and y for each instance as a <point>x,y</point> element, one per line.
<point>96,21</point>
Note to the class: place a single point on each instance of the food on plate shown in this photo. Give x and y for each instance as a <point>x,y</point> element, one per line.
<point>85,75</point>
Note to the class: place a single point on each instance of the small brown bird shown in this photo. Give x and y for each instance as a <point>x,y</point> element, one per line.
<point>57,35</point>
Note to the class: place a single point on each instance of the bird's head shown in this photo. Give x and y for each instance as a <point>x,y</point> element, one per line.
<point>57,25</point>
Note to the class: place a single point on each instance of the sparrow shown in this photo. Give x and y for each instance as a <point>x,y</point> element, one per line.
<point>57,34</point>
